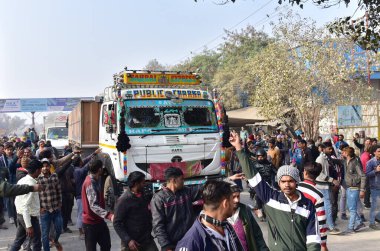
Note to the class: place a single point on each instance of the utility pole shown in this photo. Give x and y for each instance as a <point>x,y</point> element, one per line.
<point>33,124</point>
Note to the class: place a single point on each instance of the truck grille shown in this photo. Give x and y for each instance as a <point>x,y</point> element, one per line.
<point>172,139</point>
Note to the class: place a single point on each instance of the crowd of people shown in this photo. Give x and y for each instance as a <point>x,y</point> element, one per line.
<point>299,187</point>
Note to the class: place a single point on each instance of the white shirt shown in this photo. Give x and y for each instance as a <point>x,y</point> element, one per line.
<point>232,220</point>
<point>28,204</point>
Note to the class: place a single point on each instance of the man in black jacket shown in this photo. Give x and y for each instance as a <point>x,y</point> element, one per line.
<point>172,209</point>
<point>133,220</point>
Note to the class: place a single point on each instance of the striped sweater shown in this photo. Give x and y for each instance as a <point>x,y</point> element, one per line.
<point>309,190</point>
<point>293,229</point>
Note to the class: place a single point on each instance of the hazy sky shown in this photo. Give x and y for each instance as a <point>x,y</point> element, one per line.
<point>71,48</point>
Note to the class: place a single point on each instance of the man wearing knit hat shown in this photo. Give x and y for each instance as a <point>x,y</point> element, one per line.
<point>291,217</point>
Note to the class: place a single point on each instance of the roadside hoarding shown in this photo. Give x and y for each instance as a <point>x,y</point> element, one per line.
<point>39,104</point>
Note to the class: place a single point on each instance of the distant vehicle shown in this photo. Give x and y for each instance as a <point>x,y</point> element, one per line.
<point>56,131</point>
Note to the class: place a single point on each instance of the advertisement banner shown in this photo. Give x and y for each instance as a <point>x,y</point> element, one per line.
<point>34,105</point>
<point>350,115</point>
<point>40,104</point>
<point>9,105</point>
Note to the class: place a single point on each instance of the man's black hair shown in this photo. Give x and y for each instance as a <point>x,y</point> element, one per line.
<point>373,149</point>
<point>33,166</point>
<point>172,172</point>
<point>328,144</point>
<point>323,146</point>
<point>46,153</point>
<point>302,141</point>
<point>135,177</point>
<point>95,165</point>
<point>272,141</point>
<point>214,192</point>
<point>313,169</point>
<point>310,141</point>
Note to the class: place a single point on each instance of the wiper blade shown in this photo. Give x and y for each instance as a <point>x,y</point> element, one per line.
<point>197,129</point>
<point>154,131</point>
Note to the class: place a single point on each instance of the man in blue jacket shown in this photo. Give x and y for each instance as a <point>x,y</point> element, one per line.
<point>211,231</point>
<point>373,175</point>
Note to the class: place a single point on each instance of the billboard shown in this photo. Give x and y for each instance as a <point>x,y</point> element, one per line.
<point>39,104</point>
<point>350,115</point>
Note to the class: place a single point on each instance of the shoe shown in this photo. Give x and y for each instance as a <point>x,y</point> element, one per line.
<point>363,218</point>
<point>11,220</point>
<point>70,222</point>
<point>335,231</point>
<point>348,231</point>
<point>361,225</point>
<point>81,237</point>
<point>3,227</point>
<point>67,230</point>
<point>344,217</point>
<point>58,246</point>
<point>367,207</point>
<point>374,226</point>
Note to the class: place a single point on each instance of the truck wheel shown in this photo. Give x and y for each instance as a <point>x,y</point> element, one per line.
<point>109,194</point>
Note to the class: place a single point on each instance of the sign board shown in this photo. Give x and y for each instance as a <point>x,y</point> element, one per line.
<point>350,115</point>
<point>39,104</point>
<point>160,94</point>
<point>160,79</point>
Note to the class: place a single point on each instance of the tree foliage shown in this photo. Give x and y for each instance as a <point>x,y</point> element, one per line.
<point>154,65</point>
<point>10,125</point>
<point>366,34</point>
<point>236,50</point>
<point>305,71</point>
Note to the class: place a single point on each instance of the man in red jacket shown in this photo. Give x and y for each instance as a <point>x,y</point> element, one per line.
<point>95,228</point>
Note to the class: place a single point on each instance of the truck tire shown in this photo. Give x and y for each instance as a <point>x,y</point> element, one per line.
<point>109,194</point>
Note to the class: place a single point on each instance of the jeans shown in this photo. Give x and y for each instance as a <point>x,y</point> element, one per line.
<point>79,213</point>
<point>35,241</point>
<point>328,208</point>
<point>352,203</point>
<point>97,234</point>
<point>343,199</point>
<point>375,196</point>
<point>343,202</point>
<point>46,219</point>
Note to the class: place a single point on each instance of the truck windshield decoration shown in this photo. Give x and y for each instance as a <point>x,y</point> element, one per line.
<point>147,116</point>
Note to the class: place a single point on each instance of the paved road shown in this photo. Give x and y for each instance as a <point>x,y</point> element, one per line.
<point>365,240</point>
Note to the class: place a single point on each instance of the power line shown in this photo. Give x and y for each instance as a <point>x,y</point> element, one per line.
<point>260,22</point>
<point>221,35</point>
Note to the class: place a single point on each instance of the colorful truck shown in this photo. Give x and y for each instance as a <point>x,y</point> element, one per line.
<point>148,121</point>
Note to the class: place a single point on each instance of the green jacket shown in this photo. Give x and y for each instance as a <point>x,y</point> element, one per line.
<point>289,230</point>
<point>10,190</point>
<point>253,234</point>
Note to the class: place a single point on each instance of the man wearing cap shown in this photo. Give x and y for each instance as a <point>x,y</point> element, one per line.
<point>133,220</point>
<point>245,225</point>
<point>291,217</point>
<point>51,203</point>
<point>28,210</point>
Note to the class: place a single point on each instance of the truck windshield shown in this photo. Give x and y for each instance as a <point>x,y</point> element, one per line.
<point>57,133</point>
<point>146,116</point>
